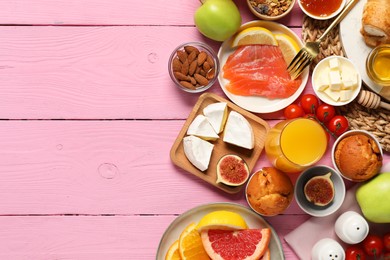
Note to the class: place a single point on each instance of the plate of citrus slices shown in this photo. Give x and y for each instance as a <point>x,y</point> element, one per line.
<point>219,231</point>
<point>254,64</point>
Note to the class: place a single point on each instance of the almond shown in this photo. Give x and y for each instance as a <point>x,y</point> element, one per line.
<point>192,80</point>
<point>190,49</point>
<point>201,80</point>
<point>202,72</point>
<point>202,57</point>
<point>187,84</point>
<point>193,67</point>
<point>176,64</point>
<point>182,56</point>
<point>210,61</point>
<point>185,67</point>
<point>206,66</point>
<point>210,74</point>
<point>192,56</point>
<point>180,76</point>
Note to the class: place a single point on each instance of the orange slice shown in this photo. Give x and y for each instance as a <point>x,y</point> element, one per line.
<point>173,252</point>
<point>190,244</point>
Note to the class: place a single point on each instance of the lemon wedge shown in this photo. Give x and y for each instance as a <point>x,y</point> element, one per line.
<point>222,219</point>
<point>254,35</point>
<point>288,46</point>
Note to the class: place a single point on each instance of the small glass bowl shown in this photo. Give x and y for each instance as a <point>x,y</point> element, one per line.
<point>201,47</point>
<point>342,4</point>
<point>379,52</point>
<point>270,17</point>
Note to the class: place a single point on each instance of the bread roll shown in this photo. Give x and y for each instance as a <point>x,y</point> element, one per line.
<point>376,22</point>
<point>269,191</point>
<point>358,157</point>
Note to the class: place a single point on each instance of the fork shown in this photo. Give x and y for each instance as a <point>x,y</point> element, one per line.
<point>311,49</point>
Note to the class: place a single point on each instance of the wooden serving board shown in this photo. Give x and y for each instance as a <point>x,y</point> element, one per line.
<point>260,130</point>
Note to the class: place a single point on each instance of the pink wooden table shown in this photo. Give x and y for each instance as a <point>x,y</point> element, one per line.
<point>88,116</point>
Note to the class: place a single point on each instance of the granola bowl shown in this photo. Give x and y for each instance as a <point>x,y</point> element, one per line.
<point>270,9</point>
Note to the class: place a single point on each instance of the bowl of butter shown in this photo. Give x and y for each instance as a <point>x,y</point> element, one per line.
<point>336,80</point>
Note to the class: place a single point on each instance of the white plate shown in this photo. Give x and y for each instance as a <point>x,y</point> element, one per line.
<point>258,104</point>
<point>194,215</point>
<point>355,48</point>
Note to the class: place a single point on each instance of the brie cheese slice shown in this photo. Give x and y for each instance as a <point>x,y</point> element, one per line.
<point>198,151</point>
<point>238,131</point>
<point>202,128</point>
<point>216,113</point>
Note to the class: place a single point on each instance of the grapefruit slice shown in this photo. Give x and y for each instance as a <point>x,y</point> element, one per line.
<point>248,244</point>
<point>267,255</point>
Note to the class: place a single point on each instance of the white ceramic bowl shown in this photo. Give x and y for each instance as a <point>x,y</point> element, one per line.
<point>349,133</point>
<point>321,70</point>
<point>309,207</point>
<point>343,2</point>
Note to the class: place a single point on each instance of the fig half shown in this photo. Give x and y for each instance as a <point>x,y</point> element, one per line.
<point>320,190</point>
<point>232,170</point>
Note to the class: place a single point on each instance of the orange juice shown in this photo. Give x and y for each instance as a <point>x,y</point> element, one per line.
<point>294,145</point>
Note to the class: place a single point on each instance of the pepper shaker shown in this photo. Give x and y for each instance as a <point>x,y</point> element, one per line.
<point>327,249</point>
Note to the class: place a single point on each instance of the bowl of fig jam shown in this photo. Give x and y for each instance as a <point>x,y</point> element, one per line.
<point>321,9</point>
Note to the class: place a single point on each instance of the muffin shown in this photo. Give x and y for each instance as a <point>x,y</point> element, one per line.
<point>269,191</point>
<point>358,157</point>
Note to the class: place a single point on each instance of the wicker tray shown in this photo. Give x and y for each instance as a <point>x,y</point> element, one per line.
<point>375,121</point>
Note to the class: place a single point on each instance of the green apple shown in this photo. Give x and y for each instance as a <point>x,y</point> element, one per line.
<point>373,197</point>
<point>217,19</point>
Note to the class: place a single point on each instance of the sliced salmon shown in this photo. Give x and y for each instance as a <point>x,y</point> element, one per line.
<point>259,70</point>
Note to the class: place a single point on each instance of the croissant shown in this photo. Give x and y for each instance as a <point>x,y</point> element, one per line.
<point>376,22</point>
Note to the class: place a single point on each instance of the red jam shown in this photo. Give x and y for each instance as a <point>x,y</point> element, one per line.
<point>321,8</point>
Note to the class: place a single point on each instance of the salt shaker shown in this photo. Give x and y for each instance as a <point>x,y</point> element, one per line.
<point>327,249</point>
<point>351,227</point>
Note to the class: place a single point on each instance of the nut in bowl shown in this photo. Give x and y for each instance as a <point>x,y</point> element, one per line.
<point>270,9</point>
<point>193,67</point>
<point>321,9</point>
<point>357,155</point>
<point>319,191</point>
<point>336,81</point>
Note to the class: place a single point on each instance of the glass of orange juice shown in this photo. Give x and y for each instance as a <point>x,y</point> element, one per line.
<point>295,144</point>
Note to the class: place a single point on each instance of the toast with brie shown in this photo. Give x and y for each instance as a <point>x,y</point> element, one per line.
<point>376,22</point>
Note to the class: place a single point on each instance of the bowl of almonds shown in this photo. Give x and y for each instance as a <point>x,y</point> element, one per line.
<point>193,67</point>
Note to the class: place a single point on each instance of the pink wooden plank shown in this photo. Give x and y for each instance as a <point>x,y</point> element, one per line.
<point>93,72</point>
<point>100,167</point>
<point>121,12</point>
<point>98,237</point>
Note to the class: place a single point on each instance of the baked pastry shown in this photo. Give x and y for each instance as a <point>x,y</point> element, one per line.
<point>358,157</point>
<point>269,191</point>
<point>376,22</point>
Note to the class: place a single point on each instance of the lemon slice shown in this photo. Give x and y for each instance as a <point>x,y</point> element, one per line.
<point>222,219</point>
<point>288,46</point>
<point>254,35</point>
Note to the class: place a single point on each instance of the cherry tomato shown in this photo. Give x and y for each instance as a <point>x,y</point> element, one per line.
<point>355,253</point>
<point>373,245</point>
<point>386,256</point>
<point>309,103</point>
<point>338,125</point>
<point>293,111</point>
<point>325,112</point>
<point>386,241</point>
